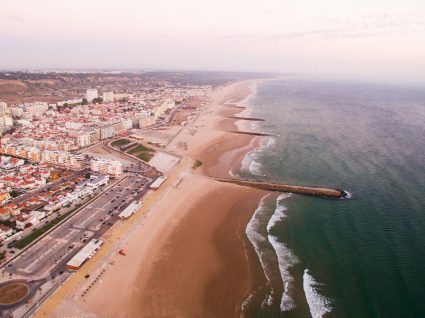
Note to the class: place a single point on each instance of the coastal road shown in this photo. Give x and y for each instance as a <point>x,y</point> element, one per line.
<point>49,255</point>
<point>48,186</point>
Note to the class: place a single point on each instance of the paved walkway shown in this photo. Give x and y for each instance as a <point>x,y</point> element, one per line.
<point>63,300</point>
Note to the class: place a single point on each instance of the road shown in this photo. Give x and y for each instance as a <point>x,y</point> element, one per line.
<point>48,187</point>
<point>49,255</point>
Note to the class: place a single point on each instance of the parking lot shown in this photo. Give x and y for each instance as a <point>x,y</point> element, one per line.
<point>49,255</point>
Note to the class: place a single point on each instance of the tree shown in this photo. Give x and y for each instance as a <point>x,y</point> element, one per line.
<point>87,175</point>
<point>84,101</point>
<point>14,193</point>
<point>97,100</point>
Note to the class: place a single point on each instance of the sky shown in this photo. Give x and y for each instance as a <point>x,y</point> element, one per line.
<point>379,39</point>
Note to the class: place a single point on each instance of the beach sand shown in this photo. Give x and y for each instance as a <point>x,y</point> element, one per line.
<point>187,254</point>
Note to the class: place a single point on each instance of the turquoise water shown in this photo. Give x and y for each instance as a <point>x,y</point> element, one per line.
<point>363,257</point>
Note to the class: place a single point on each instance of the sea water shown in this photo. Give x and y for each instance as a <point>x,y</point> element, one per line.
<point>363,257</point>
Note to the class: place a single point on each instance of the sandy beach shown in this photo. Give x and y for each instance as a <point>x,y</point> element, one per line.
<point>186,250</point>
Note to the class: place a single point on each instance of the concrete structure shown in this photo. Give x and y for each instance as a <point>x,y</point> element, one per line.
<point>106,166</point>
<point>157,183</point>
<point>98,181</point>
<point>3,107</point>
<point>129,211</point>
<point>83,140</point>
<point>82,256</point>
<point>91,94</point>
<point>164,162</point>
<point>281,187</point>
<point>147,121</point>
<point>108,97</point>
<point>73,125</point>
<point>107,132</point>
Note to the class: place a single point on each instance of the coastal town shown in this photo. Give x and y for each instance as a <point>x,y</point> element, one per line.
<point>106,188</point>
<point>71,169</point>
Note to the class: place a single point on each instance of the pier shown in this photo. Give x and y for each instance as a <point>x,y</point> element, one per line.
<point>281,187</point>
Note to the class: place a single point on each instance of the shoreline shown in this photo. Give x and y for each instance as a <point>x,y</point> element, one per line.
<point>176,221</point>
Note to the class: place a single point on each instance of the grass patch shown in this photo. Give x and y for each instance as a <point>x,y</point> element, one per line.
<point>120,142</point>
<point>142,152</point>
<point>139,148</point>
<point>40,231</point>
<point>145,156</point>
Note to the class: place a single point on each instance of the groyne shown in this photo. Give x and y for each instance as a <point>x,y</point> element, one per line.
<point>281,187</point>
<point>245,118</point>
<point>249,133</point>
<point>234,106</point>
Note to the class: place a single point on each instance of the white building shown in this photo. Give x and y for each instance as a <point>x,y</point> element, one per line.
<point>108,97</point>
<point>169,104</point>
<point>147,121</point>
<point>98,181</point>
<point>3,107</point>
<point>130,210</point>
<point>106,166</point>
<point>6,121</point>
<point>35,108</point>
<point>76,161</point>
<point>107,132</point>
<point>127,123</point>
<point>83,140</point>
<point>91,94</point>
<point>17,111</point>
<point>88,251</point>
<point>73,125</point>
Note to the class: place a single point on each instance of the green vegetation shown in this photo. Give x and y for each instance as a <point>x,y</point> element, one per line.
<point>120,142</point>
<point>14,194</point>
<point>87,175</point>
<point>138,148</point>
<point>97,100</point>
<point>86,276</point>
<point>146,156</point>
<point>142,152</point>
<point>40,231</point>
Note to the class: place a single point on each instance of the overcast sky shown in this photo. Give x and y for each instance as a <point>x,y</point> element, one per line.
<point>373,39</point>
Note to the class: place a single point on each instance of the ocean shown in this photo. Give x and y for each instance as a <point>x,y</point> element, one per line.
<point>362,257</point>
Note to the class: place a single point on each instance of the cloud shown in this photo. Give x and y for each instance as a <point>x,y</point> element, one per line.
<point>377,25</point>
<point>14,18</point>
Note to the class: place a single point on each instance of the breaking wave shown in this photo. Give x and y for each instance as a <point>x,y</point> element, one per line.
<point>318,304</point>
<point>285,256</point>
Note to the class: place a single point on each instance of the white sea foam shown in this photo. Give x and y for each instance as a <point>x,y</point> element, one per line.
<point>279,213</point>
<point>247,101</point>
<point>253,232</point>
<point>269,141</point>
<point>318,304</point>
<point>285,256</point>
<point>286,260</point>
<point>249,163</point>
<point>232,174</point>
<point>255,168</point>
